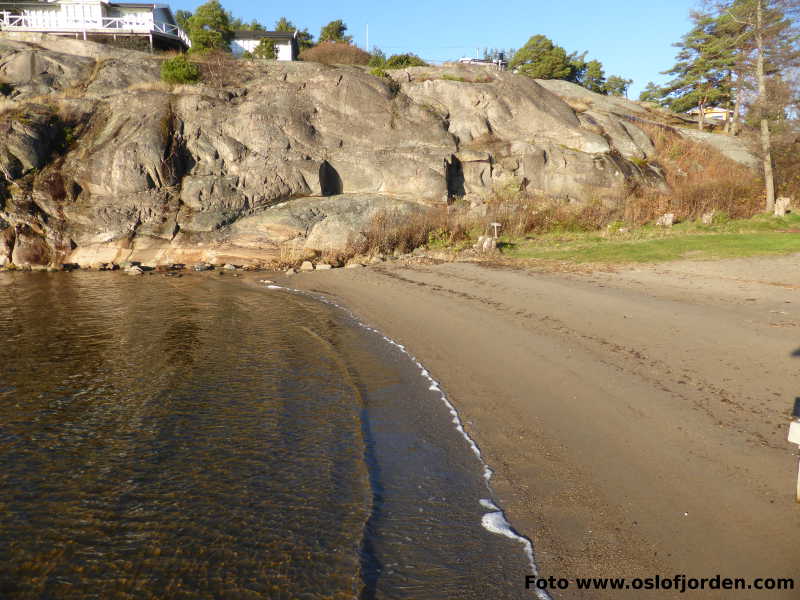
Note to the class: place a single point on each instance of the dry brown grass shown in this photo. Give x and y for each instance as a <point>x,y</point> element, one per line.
<point>221,69</point>
<point>7,104</point>
<point>335,53</point>
<point>786,156</point>
<point>700,180</point>
<point>394,231</point>
<point>456,226</point>
<point>520,213</point>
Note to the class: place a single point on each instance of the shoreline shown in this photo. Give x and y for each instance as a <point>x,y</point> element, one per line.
<point>617,447</point>
<point>494,520</point>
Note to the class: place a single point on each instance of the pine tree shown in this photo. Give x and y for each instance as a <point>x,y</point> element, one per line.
<point>617,86</point>
<point>304,38</point>
<point>334,32</point>
<point>210,28</point>
<point>540,58</point>
<point>702,75</point>
<point>653,93</point>
<point>182,18</point>
<point>767,47</point>
<point>594,78</point>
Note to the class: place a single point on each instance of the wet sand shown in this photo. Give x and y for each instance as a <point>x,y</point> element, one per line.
<point>636,419</point>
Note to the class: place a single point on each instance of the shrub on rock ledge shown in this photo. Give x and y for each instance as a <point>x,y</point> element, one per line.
<point>179,70</point>
<point>403,61</point>
<point>336,53</point>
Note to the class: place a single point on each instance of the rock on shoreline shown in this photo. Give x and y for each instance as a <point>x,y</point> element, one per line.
<point>102,162</point>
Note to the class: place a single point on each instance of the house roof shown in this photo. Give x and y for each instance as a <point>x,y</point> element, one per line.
<point>282,36</point>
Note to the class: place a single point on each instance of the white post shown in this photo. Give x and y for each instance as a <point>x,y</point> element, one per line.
<point>798,480</point>
<point>367,46</point>
<point>794,438</point>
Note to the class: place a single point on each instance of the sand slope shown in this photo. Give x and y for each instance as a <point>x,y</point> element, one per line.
<point>636,420</point>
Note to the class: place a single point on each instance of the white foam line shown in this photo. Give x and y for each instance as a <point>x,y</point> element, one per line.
<point>494,521</point>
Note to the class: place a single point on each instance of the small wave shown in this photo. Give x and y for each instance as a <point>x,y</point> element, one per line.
<point>493,521</point>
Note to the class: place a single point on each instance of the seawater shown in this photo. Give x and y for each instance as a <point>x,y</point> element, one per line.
<point>198,438</point>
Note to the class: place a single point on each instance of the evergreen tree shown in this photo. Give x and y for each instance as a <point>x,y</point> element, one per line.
<point>304,38</point>
<point>239,25</point>
<point>653,93</point>
<point>579,66</point>
<point>703,73</point>
<point>767,48</point>
<point>540,58</point>
<point>617,86</point>
<point>594,79</point>
<point>377,58</point>
<point>334,32</point>
<point>182,18</point>
<point>210,28</point>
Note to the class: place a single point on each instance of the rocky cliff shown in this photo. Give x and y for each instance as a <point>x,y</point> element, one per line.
<point>100,162</point>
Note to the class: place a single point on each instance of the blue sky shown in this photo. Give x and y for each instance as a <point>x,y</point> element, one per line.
<point>632,39</point>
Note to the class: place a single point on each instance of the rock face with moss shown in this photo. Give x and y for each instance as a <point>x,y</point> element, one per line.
<point>101,162</point>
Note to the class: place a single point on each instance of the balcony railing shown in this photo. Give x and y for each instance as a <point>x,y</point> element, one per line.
<point>10,21</point>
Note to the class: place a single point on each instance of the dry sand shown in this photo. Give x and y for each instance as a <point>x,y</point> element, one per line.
<point>636,420</point>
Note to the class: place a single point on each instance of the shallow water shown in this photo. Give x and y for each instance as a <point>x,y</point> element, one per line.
<point>199,438</point>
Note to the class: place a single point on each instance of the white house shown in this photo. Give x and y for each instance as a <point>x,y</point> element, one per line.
<point>713,113</point>
<point>153,24</point>
<point>286,47</point>
<point>499,64</point>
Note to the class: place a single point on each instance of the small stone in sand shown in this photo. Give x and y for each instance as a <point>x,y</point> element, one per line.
<point>307,266</point>
<point>324,267</point>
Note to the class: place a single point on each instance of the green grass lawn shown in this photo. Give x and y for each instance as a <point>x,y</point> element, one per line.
<point>761,235</point>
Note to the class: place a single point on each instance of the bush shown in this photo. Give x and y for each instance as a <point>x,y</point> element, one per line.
<point>394,87</point>
<point>786,156</point>
<point>179,70</point>
<point>377,58</point>
<point>391,231</point>
<point>336,53</point>
<point>700,180</point>
<point>402,61</point>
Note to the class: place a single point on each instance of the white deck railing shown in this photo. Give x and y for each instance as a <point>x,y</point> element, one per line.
<point>105,24</point>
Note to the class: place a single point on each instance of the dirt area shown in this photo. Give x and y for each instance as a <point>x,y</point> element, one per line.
<point>636,418</point>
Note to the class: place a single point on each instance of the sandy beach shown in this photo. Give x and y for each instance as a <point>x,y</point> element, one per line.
<point>636,418</point>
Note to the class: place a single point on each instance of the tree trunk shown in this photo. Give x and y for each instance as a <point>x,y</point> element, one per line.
<point>766,141</point>
<point>701,122</point>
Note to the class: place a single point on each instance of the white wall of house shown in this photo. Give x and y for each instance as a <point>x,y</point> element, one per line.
<point>239,47</point>
<point>283,50</point>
